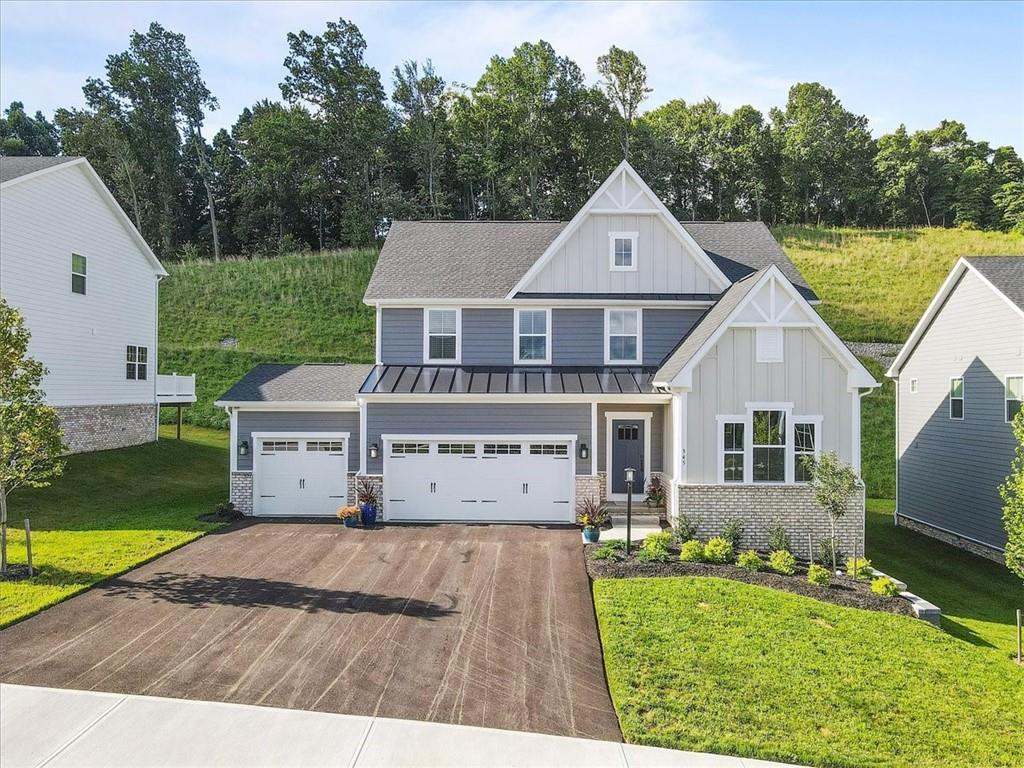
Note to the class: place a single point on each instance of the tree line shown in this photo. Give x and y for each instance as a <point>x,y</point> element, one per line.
<point>338,156</point>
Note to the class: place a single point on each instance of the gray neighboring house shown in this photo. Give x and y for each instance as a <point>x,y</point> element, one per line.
<point>522,366</point>
<point>959,383</point>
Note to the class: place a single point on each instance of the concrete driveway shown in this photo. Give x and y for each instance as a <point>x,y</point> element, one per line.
<point>477,625</point>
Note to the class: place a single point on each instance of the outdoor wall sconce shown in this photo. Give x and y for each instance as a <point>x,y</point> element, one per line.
<point>243,447</point>
<point>584,452</point>
<point>374,451</point>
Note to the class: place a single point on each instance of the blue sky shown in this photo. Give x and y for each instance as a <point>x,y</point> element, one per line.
<point>894,62</point>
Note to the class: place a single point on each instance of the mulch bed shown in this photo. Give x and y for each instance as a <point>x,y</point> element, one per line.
<point>15,572</point>
<point>843,590</point>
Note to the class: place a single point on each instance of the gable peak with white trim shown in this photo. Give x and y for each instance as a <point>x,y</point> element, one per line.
<point>665,258</point>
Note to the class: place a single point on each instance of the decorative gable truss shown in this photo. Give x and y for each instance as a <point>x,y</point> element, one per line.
<point>770,306</point>
<point>624,203</point>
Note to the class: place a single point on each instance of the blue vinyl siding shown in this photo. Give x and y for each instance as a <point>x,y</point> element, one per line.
<point>663,329</point>
<point>298,422</point>
<point>578,337</point>
<point>401,336</point>
<point>487,337</point>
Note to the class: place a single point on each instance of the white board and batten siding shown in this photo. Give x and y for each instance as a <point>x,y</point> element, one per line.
<point>81,339</point>
<point>729,377</point>
<point>664,264</point>
<point>949,470</point>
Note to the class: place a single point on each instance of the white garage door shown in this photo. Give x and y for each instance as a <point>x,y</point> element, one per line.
<point>472,480</point>
<point>299,476</point>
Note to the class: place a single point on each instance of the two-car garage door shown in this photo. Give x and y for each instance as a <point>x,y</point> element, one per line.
<point>478,479</point>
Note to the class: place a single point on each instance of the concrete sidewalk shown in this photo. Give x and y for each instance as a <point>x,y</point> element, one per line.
<point>51,727</point>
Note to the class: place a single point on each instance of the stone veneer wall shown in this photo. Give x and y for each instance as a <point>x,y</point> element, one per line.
<point>378,482</point>
<point>760,505</point>
<point>102,427</point>
<point>590,486</point>
<point>240,492</point>
<point>974,547</point>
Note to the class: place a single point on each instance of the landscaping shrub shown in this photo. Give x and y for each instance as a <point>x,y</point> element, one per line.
<point>692,551</point>
<point>859,568</point>
<point>718,550</point>
<point>612,549</point>
<point>733,533</point>
<point>825,552</point>
<point>590,514</point>
<point>819,574</point>
<point>885,587</point>
<point>655,548</point>
<point>782,562</point>
<point>778,539</point>
<point>686,527</point>
<point>750,561</point>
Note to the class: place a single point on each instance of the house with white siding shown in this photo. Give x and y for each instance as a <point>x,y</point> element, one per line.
<point>522,366</point>
<point>959,383</point>
<point>86,282</point>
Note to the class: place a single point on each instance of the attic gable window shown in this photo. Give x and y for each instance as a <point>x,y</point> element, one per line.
<point>622,251</point>
<point>78,265</point>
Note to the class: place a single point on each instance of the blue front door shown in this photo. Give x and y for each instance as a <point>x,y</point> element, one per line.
<point>628,451</point>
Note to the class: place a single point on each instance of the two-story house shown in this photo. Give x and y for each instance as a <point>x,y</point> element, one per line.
<point>524,365</point>
<point>959,385</point>
<point>86,283</point>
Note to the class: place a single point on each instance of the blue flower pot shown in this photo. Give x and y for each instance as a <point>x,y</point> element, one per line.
<point>368,513</point>
<point>591,535</point>
<point>350,522</point>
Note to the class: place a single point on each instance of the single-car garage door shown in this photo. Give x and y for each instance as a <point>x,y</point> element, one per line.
<point>299,475</point>
<point>471,479</point>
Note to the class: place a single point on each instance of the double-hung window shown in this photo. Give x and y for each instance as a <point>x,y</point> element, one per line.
<point>622,336</point>
<point>804,448</point>
<point>768,458</point>
<point>78,265</point>
<point>136,362</point>
<point>1014,396</point>
<point>533,336</point>
<point>956,398</point>
<point>733,452</point>
<point>441,342</point>
<point>622,251</point>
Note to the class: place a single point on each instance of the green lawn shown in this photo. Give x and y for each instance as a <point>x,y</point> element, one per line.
<point>719,666</point>
<point>875,284</point>
<point>978,597</point>
<point>111,511</point>
<point>878,435</point>
<point>290,309</point>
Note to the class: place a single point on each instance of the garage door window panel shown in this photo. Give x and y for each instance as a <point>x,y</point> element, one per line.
<point>325,446</point>
<point>279,446</point>
<point>404,449</point>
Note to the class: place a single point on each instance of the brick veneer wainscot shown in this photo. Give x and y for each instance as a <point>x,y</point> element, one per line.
<point>103,427</point>
<point>240,492</point>
<point>758,506</point>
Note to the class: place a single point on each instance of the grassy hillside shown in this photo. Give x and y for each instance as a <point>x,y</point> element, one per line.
<point>875,284</point>
<point>305,307</point>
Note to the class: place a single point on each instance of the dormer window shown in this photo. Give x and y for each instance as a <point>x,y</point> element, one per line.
<point>622,251</point>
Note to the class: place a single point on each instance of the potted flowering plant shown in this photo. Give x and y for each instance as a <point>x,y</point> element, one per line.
<point>349,516</point>
<point>655,492</point>
<point>369,501</point>
<point>591,516</point>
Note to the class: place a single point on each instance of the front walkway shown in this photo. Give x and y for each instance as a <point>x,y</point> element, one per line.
<point>45,726</point>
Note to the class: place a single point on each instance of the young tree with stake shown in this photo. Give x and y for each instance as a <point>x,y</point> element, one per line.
<point>31,442</point>
<point>834,483</point>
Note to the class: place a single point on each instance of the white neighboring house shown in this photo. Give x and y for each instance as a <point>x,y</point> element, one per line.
<point>87,285</point>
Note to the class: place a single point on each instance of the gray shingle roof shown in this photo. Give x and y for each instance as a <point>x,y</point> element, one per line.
<point>13,167</point>
<point>484,260</point>
<point>457,259</point>
<point>705,328</point>
<point>315,382</point>
<point>1006,273</point>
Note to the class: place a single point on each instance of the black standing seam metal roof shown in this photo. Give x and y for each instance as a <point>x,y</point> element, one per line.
<point>460,380</point>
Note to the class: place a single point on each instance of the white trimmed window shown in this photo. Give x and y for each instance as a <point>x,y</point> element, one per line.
<point>1014,396</point>
<point>441,342</point>
<point>622,251</point>
<point>956,398</point>
<point>78,265</point>
<point>136,363</point>
<point>913,386</point>
<point>768,446</point>
<point>805,444</point>
<point>533,335</point>
<point>733,452</point>
<point>622,336</point>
